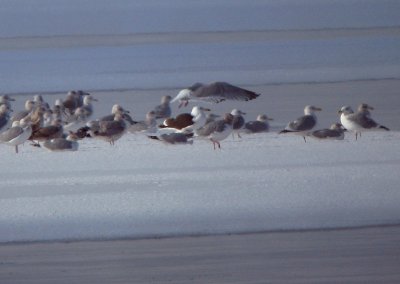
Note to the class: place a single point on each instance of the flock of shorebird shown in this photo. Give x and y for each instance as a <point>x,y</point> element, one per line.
<point>60,127</point>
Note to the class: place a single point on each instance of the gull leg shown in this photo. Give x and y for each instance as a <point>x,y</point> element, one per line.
<point>16,149</point>
<point>305,141</point>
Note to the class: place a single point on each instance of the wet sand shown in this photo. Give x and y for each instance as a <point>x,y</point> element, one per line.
<point>360,255</point>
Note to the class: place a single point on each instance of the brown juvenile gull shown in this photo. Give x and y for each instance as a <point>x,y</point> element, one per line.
<point>55,130</point>
<point>257,126</point>
<point>19,132</point>
<point>214,93</point>
<point>335,132</point>
<point>216,130</point>
<point>188,121</point>
<point>304,124</point>
<point>358,122</point>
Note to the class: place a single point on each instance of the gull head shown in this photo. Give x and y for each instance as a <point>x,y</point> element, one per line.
<point>198,110</point>
<point>311,109</point>
<point>237,112</point>
<point>263,118</point>
<point>345,110</point>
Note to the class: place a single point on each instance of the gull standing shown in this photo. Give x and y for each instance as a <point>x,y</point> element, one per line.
<point>19,132</point>
<point>358,122</point>
<point>110,131</point>
<point>304,124</point>
<point>217,130</point>
<point>214,93</point>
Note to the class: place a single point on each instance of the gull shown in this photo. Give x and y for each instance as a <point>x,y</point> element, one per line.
<point>62,144</point>
<point>117,109</point>
<point>169,135</point>
<point>358,122</point>
<point>110,131</point>
<point>163,110</point>
<point>19,132</point>
<point>144,125</point>
<point>365,109</point>
<point>188,121</point>
<point>74,100</point>
<point>214,93</point>
<point>39,101</point>
<point>76,120</point>
<point>5,100</point>
<point>47,117</point>
<point>304,124</point>
<point>257,126</point>
<point>217,130</point>
<point>87,105</point>
<point>4,115</point>
<point>29,107</point>
<point>335,132</point>
<point>81,114</point>
<point>238,121</point>
<point>55,130</point>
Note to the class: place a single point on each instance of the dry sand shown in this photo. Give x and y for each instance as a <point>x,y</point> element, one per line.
<point>361,255</point>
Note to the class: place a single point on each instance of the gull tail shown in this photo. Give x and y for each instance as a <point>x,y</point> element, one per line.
<point>284,131</point>
<point>384,127</point>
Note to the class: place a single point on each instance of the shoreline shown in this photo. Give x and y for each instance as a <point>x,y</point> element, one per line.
<point>365,255</point>
<point>177,88</point>
<point>199,235</point>
<point>87,40</point>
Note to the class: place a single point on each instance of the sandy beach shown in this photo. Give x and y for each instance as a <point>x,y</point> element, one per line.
<point>266,208</point>
<point>359,255</point>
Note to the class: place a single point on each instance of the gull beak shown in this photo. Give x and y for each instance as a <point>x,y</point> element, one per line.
<point>270,118</point>
<point>205,109</point>
<point>339,111</point>
<point>317,109</point>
